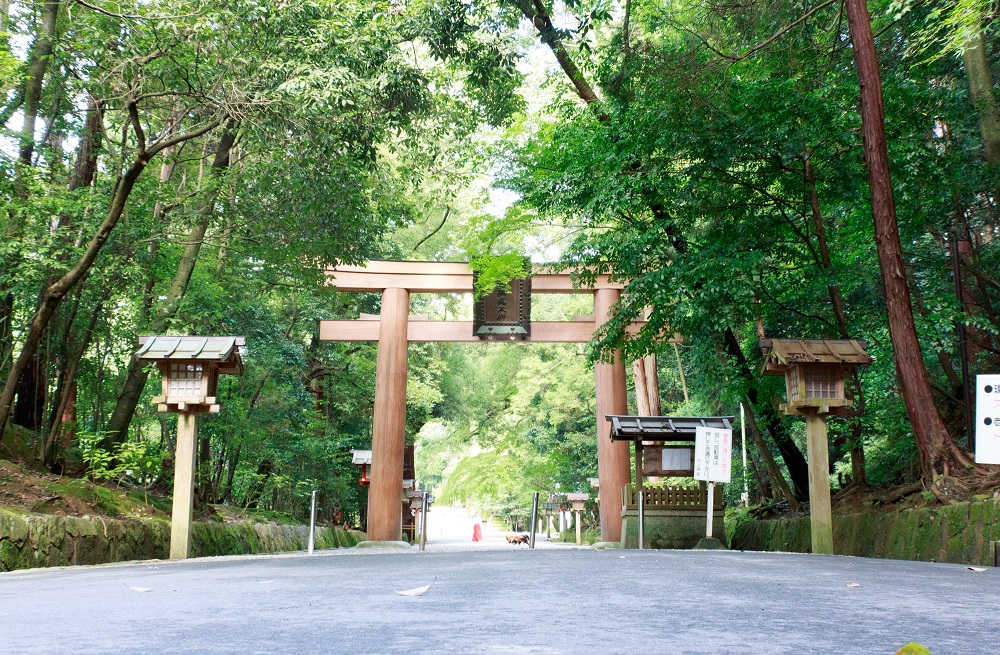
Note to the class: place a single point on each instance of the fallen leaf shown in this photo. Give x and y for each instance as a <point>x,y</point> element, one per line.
<point>974,568</point>
<point>853,584</point>
<point>418,591</point>
<point>141,590</point>
<point>621,557</point>
<point>266,581</point>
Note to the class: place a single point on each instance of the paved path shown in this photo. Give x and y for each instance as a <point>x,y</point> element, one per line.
<point>450,529</point>
<point>507,601</point>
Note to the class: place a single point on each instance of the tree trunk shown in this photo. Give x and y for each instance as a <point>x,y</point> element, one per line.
<point>29,409</point>
<point>535,12</point>
<point>641,390</point>
<point>135,377</point>
<point>652,384</point>
<point>933,441</point>
<point>66,391</point>
<point>38,62</point>
<point>776,479</point>
<point>980,76</point>
<point>85,167</point>
<point>6,327</point>
<point>234,461</point>
<point>204,469</point>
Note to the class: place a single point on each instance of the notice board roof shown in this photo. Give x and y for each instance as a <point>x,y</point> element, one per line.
<point>663,428</point>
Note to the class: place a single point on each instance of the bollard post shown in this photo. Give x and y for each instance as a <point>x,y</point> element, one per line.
<point>711,509</point>
<point>423,523</point>
<point>312,523</point>
<point>534,520</point>
<point>642,517</point>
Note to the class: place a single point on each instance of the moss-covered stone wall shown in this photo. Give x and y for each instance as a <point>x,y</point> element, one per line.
<point>33,540</point>
<point>957,533</point>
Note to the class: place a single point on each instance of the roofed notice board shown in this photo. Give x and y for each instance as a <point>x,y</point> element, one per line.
<point>713,454</point>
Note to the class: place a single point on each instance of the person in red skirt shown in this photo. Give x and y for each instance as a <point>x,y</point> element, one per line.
<point>477,527</point>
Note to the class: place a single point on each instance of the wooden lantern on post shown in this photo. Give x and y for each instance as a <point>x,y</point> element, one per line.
<point>190,368</point>
<point>416,499</point>
<point>362,459</point>
<point>579,502</point>
<point>815,371</point>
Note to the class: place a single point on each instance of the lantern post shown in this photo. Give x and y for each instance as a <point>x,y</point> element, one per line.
<point>362,459</point>
<point>190,369</point>
<point>549,508</point>
<point>579,501</point>
<point>815,371</point>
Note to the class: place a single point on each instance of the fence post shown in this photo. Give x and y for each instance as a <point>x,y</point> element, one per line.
<point>423,522</point>
<point>642,517</point>
<point>312,523</point>
<point>534,520</point>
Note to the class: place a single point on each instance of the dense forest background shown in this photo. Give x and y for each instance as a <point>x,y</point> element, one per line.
<point>751,169</point>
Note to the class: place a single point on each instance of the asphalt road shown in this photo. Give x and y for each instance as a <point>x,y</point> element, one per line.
<point>510,601</point>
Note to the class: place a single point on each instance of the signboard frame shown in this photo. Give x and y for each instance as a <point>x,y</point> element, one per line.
<point>654,460</point>
<point>713,449</point>
<point>988,419</point>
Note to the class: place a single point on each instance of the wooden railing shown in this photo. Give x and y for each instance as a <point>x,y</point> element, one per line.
<point>671,497</point>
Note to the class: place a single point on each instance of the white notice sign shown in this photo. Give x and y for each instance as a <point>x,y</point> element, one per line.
<point>988,419</point>
<point>676,459</point>
<point>712,448</point>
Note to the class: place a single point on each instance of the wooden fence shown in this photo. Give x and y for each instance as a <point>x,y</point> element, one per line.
<point>671,497</point>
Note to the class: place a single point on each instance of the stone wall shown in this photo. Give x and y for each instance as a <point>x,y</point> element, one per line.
<point>34,540</point>
<point>670,528</point>
<point>957,533</point>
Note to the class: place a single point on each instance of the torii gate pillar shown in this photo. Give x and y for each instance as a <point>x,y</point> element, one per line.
<point>385,520</point>
<point>613,468</point>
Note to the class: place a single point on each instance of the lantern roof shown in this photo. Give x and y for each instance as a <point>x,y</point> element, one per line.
<point>225,350</point>
<point>663,428</point>
<point>781,354</point>
<point>361,457</point>
<point>577,497</point>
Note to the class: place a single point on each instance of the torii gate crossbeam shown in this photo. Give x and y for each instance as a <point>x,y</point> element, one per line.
<point>394,328</point>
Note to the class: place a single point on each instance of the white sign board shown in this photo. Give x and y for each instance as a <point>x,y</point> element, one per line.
<point>988,419</point>
<point>712,454</point>
<point>676,459</point>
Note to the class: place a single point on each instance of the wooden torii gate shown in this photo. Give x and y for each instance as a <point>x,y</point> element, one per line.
<point>394,329</point>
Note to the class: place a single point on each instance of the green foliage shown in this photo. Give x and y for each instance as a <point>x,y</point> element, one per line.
<point>137,463</point>
<point>947,28</point>
<point>496,271</point>
<point>97,459</point>
<point>348,119</point>
<point>732,192</point>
